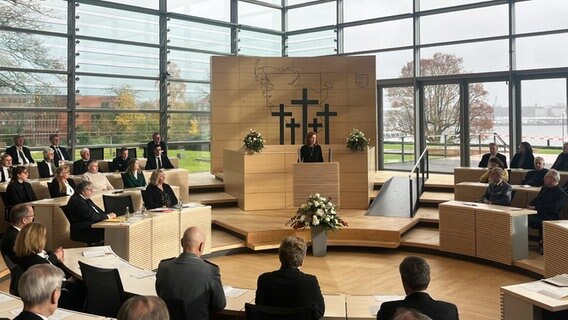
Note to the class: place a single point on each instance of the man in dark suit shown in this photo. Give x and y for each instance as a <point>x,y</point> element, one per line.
<point>84,213</point>
<point>120,163</point>
<point>47,167</point>
<point>42,281</point>
<point>493,147</point>
<point>81,166</point>
<point>415,276</point>
<point>61,153</point>
<point>158,160</point>
<point>288,286</point>
<point>19,153</point>
<point>20,215</point>
<point>6,168</point>
<point>156,141</point>
<point>197,282</point>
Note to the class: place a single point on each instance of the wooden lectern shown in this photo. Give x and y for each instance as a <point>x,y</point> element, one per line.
<point>316,177</point>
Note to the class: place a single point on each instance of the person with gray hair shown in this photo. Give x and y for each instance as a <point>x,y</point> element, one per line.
<point>415,276</point>
<point>409,314</point>
<point>20,215</point>
<point>288,286</point>
<point>498,192</point>
<point>81,166</point>
<point>535,178</point>
<point>188,277</point>
<point>20,153</point>
<point>548,203</point>
<point>47,167</point>
<point>493,153</point>
<point>143,308</point>
<point>40,290</point>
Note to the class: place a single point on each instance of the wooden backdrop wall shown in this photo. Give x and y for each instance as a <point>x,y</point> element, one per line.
<point>246,90</point>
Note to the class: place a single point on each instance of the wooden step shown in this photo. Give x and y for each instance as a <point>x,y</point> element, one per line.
<point>212,198</point>
<point>204,181</point>
<point>436,197</point>
<point>222,240</point>
<point>428,214</point>
<point>421,238</point>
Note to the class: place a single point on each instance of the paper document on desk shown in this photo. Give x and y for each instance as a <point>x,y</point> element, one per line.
<point>386,298</point>
<point>233,292</point>
<point>5,297</point>
<point>560,280</point>
<point>96,252</point>
<point>546,289</point>
<point>193,205</point>
<point>143,274</point>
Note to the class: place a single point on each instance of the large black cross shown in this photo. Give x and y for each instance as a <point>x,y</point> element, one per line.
<point>305,102</point>
<point>315,125</point>
<point>293,125</point>
<point>281,114</point>
<point>326,114</point>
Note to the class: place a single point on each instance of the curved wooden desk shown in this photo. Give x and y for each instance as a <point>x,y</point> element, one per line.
<point>10,307</point>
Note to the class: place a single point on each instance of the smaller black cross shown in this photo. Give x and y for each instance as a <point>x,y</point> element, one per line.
<point>315,125</point>
<point>326,114</point>
<point>293,125</point>
<point>281,114</point>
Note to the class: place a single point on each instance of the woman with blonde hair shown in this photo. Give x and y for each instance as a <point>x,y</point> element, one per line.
<point>62,185</point>
<point>30,247</point>
<point>158,193</point>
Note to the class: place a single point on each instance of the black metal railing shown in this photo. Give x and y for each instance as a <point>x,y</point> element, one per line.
<point>420,169</point>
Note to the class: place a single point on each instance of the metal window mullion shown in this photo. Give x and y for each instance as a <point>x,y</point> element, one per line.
<point>163,38</point>
<point>464,123</point>
<point>71,75</point>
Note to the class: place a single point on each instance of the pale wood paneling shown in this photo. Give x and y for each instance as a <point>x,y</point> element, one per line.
<point>322,178</point>
<point>457,229</point>
<point>555,240</point>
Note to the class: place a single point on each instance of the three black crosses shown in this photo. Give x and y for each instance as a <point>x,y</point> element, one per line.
<point>305,103</point>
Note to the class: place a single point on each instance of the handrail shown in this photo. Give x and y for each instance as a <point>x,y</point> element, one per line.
<point>497,138</point>
<point>423,159</point>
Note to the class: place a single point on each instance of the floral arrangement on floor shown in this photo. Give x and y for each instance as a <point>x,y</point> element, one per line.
<point>357,140</point>
<point>253,141</point>
<point>317,211</point>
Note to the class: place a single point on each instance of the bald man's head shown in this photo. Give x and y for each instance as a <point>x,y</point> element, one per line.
<point>193,240</point>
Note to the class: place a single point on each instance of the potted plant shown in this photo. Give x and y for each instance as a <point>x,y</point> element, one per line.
<point>253,142</point>
<point>357,140</point>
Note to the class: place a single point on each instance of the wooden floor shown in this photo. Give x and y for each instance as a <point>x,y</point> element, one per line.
<point>474,288</point>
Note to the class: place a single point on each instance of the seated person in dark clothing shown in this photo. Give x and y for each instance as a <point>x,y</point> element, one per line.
<point>156,141</point>
<point>133,177</point>
<point>493,147</point>
<point>288,286</point>
<point>47,167</point>
<point>120,163</point>
<point>81,166</point>
<point>6,168</point>
<point>20,153</point>
<point>20,215</point>
<point>311,151</point>
<point>20,191</point>
<point>524,159</point>
<point>84,213</point>
<point>159,194</point>
<point>535,178</point>
<point>415,276</point>
<point>158,160</point>
<point>549,201</point>
<point>561,162</point>
<point>62,185</point>
<point>30,251</point>
<point>498,191</point>
<point>494,163</point>
<point>40,291</point>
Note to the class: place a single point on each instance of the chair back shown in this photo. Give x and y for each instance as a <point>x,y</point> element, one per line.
<point>97,153</point>
<point>256,312</point>
<point>176,308</point>
<point>118,204</point>
<point>7,208</point>
<point>131,152</point>
<point>15,274</point>
<point>105,294</point>
<point>50,188</point>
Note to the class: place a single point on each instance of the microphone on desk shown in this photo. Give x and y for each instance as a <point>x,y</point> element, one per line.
<point>329,155</point>
<point>300,160</point>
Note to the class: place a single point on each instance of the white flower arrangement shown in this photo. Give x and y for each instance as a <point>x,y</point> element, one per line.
<point>253,141</point>
<point>318,210</point>
<point>357,140</point>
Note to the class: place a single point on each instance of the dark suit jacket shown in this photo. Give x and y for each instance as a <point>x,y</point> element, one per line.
<point>82,216</point>
<point>130,182</point>
<point>5,177</point>
<point>57,158</point>
<point>8,241</point>
<point>26,315</point>
<point>194,280</point>
<point>151,163</point>
<point>549,202</point>
<point>309,154</point>
<point>79,167</point>
<point>528,161</point>
<point>119,164</point>
<point>14,153</point>
<point>20,193</point>
<point>422,302</point>
<point>151,145</point>
<point>28,261</point>
<point>289,287</point>
<point>43,168</point>
<point>153,196</point>
<point>535,178</point>
<point>54,188</point>
<point>561,162</point>
<point>485,160</point>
